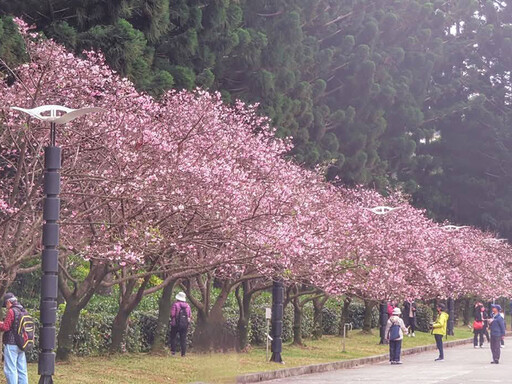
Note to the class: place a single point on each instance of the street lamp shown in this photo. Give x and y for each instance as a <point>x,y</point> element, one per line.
<point>453,228</point>
<point>382,210</point>
<point>495,240</point>
<point>450,303</point>
<point>277,320</point>
<point>383,308</point>
<point>54,114</point>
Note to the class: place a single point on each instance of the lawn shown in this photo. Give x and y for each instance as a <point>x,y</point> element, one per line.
<point>219,368</point>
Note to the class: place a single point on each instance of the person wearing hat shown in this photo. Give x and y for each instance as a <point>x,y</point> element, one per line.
<point>15,361</point>
<point>180,319</point>
<point>497,328</point>
<point>395,329</point>
<point>439,329</point>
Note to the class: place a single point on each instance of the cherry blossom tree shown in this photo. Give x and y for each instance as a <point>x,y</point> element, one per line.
<point>187,186</point>
<point>183,185</point>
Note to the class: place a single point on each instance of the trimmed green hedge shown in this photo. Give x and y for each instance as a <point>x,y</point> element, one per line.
<point>424,316</point>
<point>93,334</point>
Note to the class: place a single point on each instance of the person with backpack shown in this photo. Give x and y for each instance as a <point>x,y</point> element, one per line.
<point>439,329</point>
<point>15,361</point>
<point>180,319</point>
<point>395,330</point>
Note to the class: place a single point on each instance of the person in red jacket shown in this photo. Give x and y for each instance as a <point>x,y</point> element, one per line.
<point>391,306</point>
<point>15,361</point>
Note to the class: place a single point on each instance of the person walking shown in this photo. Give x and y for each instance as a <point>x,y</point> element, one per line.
<point>180,320</point>
<point>410,316</point>
<point>439,329</point>
<point>15,361</point>
<point>497,327</point>
<point>395,329</point>
<point>478,325</point>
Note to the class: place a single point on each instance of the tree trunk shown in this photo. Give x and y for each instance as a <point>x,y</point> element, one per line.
<point>128,302</point>
<point>76,300</point>
<point>297,323</point>
<point>67,329</point>
<point>244,307</point>
<point>383,320</point>
<point>210,331</point>
<point>318,325</point>
<point>164,315</point>
<point>367,322</point>
<point>201,338</point>
<point>243,331</point>
<point>457,310</point>
<point>344,313</point>
<point>119,326</point>
<point>468,311</point>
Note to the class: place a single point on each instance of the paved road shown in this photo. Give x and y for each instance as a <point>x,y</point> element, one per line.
<point>462,365</point>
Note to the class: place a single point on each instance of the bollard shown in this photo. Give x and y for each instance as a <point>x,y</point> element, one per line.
<point>345,326</point>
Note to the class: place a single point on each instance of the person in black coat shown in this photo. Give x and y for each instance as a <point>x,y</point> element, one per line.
<point>478,325</point>
<point>409,315</point>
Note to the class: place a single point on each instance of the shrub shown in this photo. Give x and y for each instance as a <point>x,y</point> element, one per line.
<point>288,324</point>
<point>424,317</point>
<point>330,321</point>
<point>257,326</point>
<point>307,320</point>
<point>147,325</point>
<point>356,315</point>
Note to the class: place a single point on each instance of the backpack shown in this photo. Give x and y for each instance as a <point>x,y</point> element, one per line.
<point>23,329</point>
<point>182,320</point>
<point>394,332</point>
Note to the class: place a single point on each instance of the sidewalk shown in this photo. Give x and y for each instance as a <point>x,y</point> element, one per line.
<point>312,373</point>
<point>462,365</point>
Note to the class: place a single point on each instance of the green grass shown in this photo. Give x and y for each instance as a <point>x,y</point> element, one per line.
<point>220,368</point>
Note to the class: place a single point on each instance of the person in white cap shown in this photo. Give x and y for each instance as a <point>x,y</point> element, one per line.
<point>395,330</point>
<point>180,320</point>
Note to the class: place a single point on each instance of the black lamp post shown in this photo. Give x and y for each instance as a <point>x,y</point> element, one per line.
<point>383,307</point>
<point>450,303</point>
<point>277,321</point>
<point>383,320</point>
<point>51,212</point>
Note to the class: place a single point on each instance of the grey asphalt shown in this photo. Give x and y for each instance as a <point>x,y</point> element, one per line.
<point>462,365</point>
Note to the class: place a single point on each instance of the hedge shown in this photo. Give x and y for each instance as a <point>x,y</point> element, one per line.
<point>93,334</point>
<point>424,317</point>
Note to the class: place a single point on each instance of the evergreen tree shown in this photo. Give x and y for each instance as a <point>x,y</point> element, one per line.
<point>380,92</point>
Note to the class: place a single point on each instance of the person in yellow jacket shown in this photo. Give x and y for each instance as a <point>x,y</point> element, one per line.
<point>439,329</point>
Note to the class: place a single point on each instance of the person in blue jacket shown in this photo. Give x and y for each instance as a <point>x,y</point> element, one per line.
<point>497,328</point>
